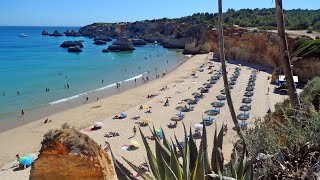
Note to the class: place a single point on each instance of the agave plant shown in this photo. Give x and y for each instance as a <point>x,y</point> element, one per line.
<point>186,163</point>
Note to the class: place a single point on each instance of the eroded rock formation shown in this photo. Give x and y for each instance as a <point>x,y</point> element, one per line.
<point>56,33</point>
<point>67,44</point>
<point>45,32</point>
<point>69,154</point>
<point>121,44</point>
<point>74,49</point>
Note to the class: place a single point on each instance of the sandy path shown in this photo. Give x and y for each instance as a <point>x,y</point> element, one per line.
<point>27,138</point>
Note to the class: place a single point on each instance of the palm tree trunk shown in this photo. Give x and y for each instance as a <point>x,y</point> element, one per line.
<point>224,72</point>
<point>292,92</point>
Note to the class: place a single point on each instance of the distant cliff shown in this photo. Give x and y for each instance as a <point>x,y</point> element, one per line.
<point>251,45</point>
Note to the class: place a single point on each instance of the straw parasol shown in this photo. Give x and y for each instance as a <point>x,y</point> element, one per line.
<point>248,94</point>
<point>246,100</point>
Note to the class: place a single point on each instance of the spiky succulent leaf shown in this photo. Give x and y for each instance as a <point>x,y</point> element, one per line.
<point>144,175</point>
<point>121,171</point>
<point>168,172</point>
<point>205,151</point>
<point>186,159</point>
<point>193,152</point>
<point>199,169</point>
<point>161,152</point>
<point>165,141</point>
<point>151,158</point>
<point>175,165</point>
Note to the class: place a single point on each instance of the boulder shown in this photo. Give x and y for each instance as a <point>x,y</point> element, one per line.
<point>74,49</point>
<point>102,38</point>
<point>121,44</point>
<point>56,33</point>
<point>69,154</point>
<point>138,42</point>
<point>45,32</point>
<point>67,44</point>
<point>99,42</point>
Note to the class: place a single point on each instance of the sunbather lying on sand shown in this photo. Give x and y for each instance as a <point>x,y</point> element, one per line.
<point>135,118</point>
<point>111,134</point>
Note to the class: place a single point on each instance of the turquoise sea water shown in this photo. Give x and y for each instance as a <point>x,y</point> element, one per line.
<point>33,63</point>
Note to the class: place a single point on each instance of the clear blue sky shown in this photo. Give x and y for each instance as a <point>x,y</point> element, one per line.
<point>83,12</point>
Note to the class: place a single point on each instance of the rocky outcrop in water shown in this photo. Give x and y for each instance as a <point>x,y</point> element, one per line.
<point>71,33</point>
<point>67,44</point>
<point>138,42</point>
<point>99,42</point>
<point>69,154</point>
<point>56,33</point>
<point>121,44</point>
<point>74,49</point>
<point>102,38</point>
<point>45,32</point>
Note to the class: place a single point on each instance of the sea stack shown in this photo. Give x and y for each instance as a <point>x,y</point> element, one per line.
<point>45,32</point>
<point>74,49</point>
<point>69,154</point>
<point>56,33</point>
<point>99,42</point>
<point>67,44</point>
<point>121,44</point>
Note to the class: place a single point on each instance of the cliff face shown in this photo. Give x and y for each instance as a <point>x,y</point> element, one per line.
<point>68,154</point>
<point>252,46</point>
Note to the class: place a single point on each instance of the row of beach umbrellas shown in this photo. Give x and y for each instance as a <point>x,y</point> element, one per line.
<point>246,107</point>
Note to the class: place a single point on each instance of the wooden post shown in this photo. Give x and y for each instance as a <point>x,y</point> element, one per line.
<point>292,92</point>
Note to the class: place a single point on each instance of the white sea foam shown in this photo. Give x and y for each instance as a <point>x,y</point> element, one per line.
<point>99,89</point>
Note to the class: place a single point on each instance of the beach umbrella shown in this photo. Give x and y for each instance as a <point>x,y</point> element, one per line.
<point>245,108</point>
<point>232,82</point>
<point>135,143</point>
<point>123,115</point>
<point>25,160</point>
<point>253,76</point>
<point>233,79</point>
<point>193,102</point>
<point>251,84</point>
<point>217,104</point>
<point>252,80</point>
<point>198,127</point>
<point>248,94</point>
<point>231,86</point>
<point>246,100</point>
<point>250,88</point>
<point>223,91</point>
<point>97,124</point>
<point>180,115</point>
<point>207,85</point>
<point>221,97</point>
<point>214,77</point>
<point>196,94</point>
<point>213,81</point>
<point>177,118</point>
<point>211,113</point>
<point>243,117</point>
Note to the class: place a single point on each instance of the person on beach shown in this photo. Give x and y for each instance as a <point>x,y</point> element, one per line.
<point>268,90</point>
<point>167,102</point>
<point>18,93</point>
<point>22,112</point>
<point>147,78</point>
<point>97,99</point>
<point>134,130</point>
<point>135,80</point>
<point>102,81</point>
<point>68,86</point>
<point>65,87</point>
<point>4,93</point>
<point>141,107</point>
<point>87,98</point>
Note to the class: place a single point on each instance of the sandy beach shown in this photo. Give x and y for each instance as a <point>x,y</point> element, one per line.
<point>180,85</point>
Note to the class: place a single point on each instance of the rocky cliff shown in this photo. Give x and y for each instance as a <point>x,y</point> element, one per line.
<point>121,44</point>
<point>249,45</point>
<point>69,154</point>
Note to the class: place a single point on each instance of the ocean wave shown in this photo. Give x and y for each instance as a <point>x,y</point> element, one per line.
<point>99,89</point>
